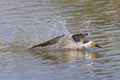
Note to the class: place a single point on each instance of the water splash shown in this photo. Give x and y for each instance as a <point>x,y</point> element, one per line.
<point>28,36</point>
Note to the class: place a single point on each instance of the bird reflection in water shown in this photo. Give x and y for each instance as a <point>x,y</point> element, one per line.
<point>91,57</point>
<point>63,56</point>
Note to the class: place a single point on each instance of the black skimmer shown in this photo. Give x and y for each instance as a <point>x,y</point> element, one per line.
<point>75,41</point>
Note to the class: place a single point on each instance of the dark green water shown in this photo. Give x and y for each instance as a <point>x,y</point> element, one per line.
<point>24,23</point>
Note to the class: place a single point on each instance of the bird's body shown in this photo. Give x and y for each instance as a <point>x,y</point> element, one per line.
<point>75,41</point>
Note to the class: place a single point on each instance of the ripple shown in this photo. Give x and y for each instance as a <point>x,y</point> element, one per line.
<point>23,21</point>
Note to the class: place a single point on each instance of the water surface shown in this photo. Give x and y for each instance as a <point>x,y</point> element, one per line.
<point>26,23</point>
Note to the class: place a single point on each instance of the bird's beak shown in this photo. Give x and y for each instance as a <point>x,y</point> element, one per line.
<point>97,45</point>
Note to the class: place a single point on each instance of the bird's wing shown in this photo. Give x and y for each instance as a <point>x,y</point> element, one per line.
<point>49,42</point>
<point>78,37</point>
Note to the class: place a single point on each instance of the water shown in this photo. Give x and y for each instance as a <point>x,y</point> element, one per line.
<point>26,23</point>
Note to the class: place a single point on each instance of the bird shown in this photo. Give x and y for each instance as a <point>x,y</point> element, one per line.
<point>74,41</point>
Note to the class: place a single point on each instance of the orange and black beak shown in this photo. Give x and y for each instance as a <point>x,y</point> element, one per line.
<point>97,45</point>
<point>93,44</point>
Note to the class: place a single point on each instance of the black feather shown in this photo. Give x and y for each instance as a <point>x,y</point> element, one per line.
<point>78,37</point>
<point>49,42</point>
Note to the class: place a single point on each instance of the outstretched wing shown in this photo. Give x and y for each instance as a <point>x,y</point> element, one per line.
<point>49,42</point>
